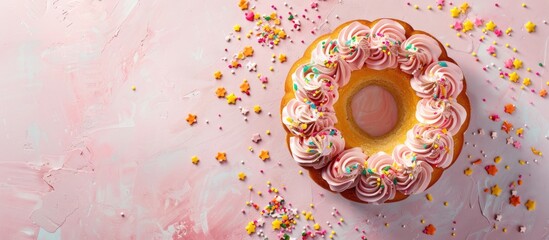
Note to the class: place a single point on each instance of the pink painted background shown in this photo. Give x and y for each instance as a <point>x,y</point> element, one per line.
<point>85,157</point>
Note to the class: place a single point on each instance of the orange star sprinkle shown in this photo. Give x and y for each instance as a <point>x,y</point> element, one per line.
<point>509,108</point>
<point>248,51</point>
<point>245,87</point>
<point>543,93</point>
<point>530,205</point>
<point>264,155</point>
<point>218,75</point>
<point>514,200</point>
<point>282,58</point>
<point>220,92</point>
<point>243,4</point>
<point>191,119</point>
<point>506,126</point>
<point>221,156</point>
<point>430,229</point>
<point>491,169</point>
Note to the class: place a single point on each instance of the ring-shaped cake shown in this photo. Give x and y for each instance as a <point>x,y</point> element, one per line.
<point>429,91</point>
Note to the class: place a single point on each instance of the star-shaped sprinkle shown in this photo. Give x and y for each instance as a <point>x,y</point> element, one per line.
<point>256,138</point>
<point>530,205</point>
<point>509,108</point>
<point>490,26</point>
<point>464,7</point>
<point>231,98</point>
<point>241,176</point>
<point>514,200</point>
<point>308,216</point>
<point>245,87</point>
<point>430,229</point>
<point>514,77</point>
<point>517,144</point>
<point>218,75</point>
<point>509,140</point>
<point>543,93</point>
<point>467,26</point>
<point>517,63</point>
<point>243,4</point>
<point>495,190</point>
<point>455,12</point>
<point>248,51</point>
<point>498,217</point>
<point>457,25</point>
<point>506,126</point>
<point>220,92</point>
<point>221,156</point>
<point>191,119</point>
<point>282,58</point>
<point>530,26</point>
<point>195,160</point>
<point>276,224</point>
<point>250,228</point>
<point>491,169</point>
<point>522,229</point>
<point>478,22</point>
<point>491,50</point>
<point>264,155</point>
<point>508,63</point>
<point>493,134</point>
<point>468,171</point>
<point>257,109</point>
<point>237,28</point>
<point>526,82</point>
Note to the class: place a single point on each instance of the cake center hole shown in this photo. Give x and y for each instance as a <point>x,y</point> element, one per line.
<point>374,110</point>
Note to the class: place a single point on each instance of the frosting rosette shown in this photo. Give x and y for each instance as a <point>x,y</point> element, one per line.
<point>431,144</point>
<point>318,150</point>
<point>376,184</point>
<point>385,39</point>
<point>342,173</point>
<point>442,113</point>
<point>327,60</point>
<point>417,52</point>
<point>353,44</point>
<point>311,85</point>
<point>441,80</point>
<point>304,119</point>
<point>414,174</point>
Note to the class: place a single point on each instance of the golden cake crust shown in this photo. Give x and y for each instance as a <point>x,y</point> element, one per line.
<point>398,84</point>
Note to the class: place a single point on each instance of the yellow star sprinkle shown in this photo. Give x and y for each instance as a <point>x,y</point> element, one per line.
<point>495,190</point>
<point>231,99</point>
<point>264,155</point>
<point>237,28</point>
<point>530,205</point>
<point>250,228</point>
<point>276,224</point>
<point>218,75</point>
<point>517,63</point>
<point>221,156</point>
<point>526,82</point>
<point>195,160</point>
<point>490,26</point>
<point>514,77</point>
<point>308,216</point>
<point>464,7</point>
<point>241,176</point>
<point>257,109</point>
<point>468,171</point>
<point>282,58</point>
<point>455,12</point>
<point>467,25</point>
<point>530,27</point>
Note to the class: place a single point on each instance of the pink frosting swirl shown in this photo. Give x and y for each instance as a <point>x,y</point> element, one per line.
<point>414,175</point>
<point>303,119</point>
<point>317,151</point>
<point>386,37</point>
<point>353,44</point>
<point>376,185</point>
<point>431,144</point>
<point>342,173</point>
<point>318,88</point>
<point>327,60</point>
<point>441,113</point>
<point>441,80</point>
<point>418,51</point>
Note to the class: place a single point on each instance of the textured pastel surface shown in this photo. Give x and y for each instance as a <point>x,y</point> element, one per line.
<point>86,157</point>
<point>374,110</point>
